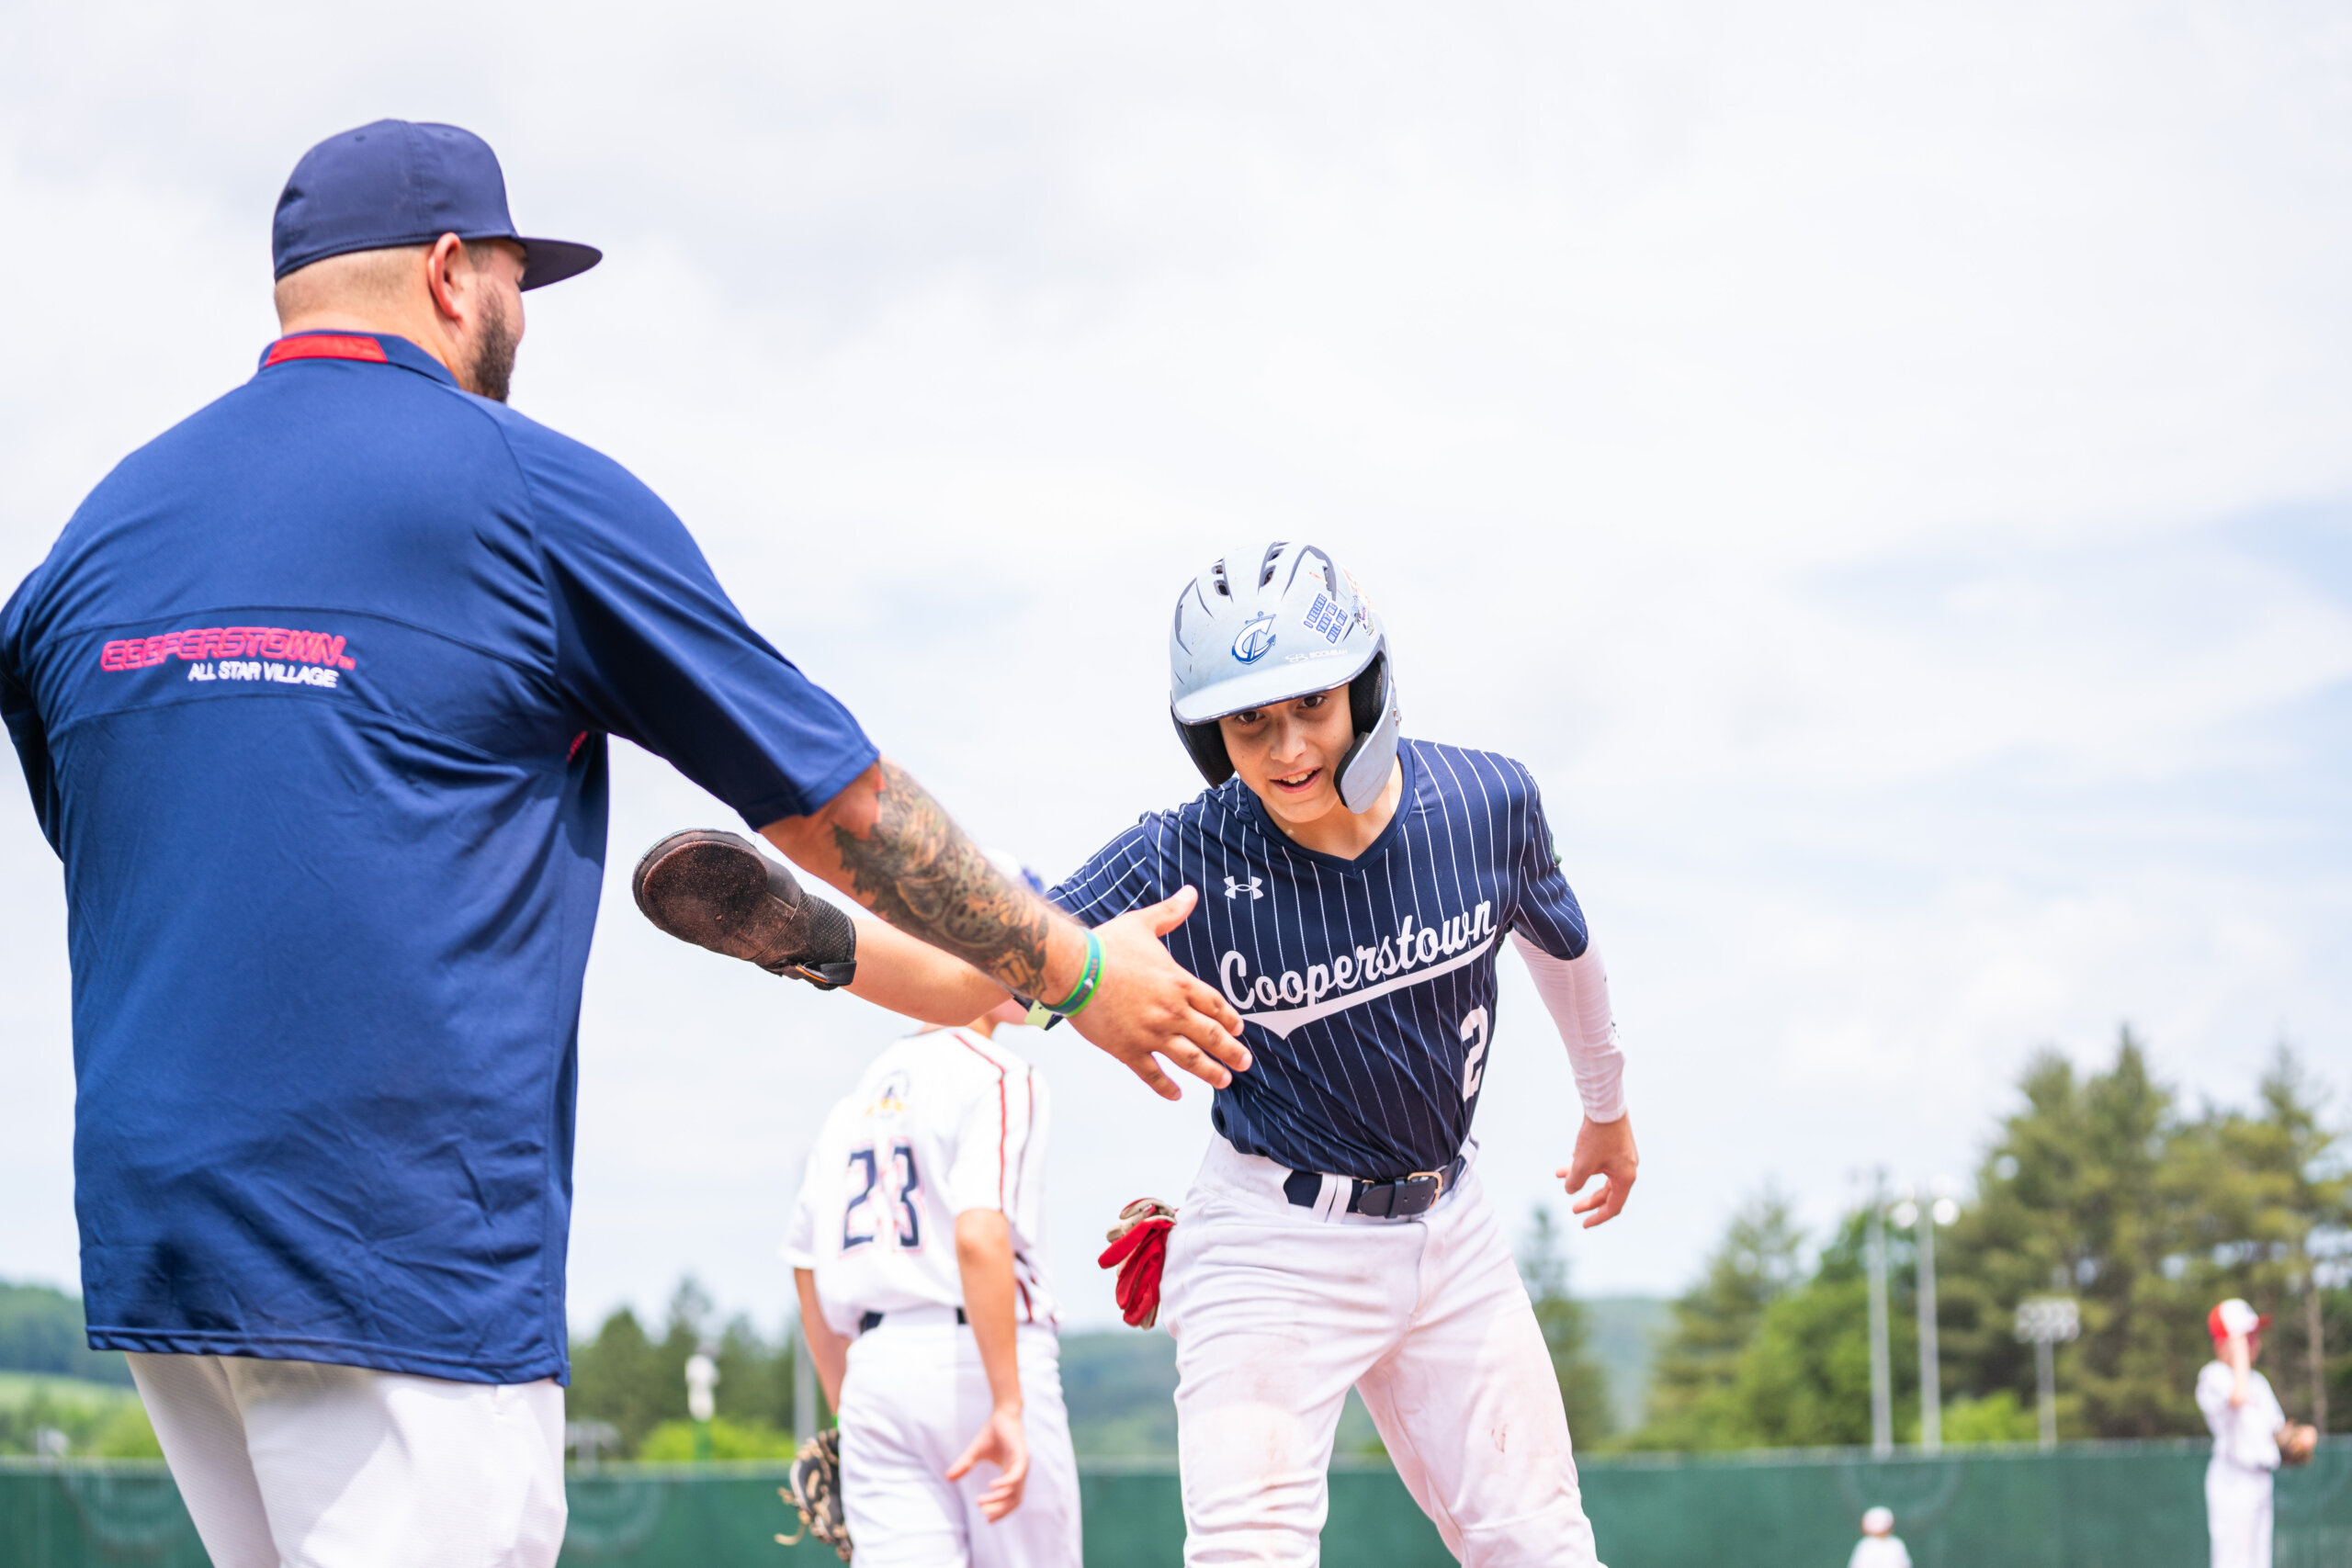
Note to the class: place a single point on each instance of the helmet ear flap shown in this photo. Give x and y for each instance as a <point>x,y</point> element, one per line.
<point>1371,707</point>
<point>1368,695</point>
<point>1205,743</point>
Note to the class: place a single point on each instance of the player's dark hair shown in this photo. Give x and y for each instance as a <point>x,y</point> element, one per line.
<point>1367,698</point>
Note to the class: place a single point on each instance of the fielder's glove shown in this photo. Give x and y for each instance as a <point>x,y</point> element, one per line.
<point>1139,1250</point>
<point>2297,1444</point>
<point>716,891</point>
<point>816,1492</point>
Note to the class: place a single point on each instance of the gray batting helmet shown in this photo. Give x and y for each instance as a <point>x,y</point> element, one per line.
<point>1275,622</point>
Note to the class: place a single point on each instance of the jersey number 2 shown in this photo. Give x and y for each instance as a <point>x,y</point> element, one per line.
<point>862,1221</point>
<point>1474,1064</point>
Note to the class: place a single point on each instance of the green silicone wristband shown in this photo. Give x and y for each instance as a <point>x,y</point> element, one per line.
<point>1075,1003</point>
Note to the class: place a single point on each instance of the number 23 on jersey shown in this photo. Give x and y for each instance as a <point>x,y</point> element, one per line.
<point>881,1208</point>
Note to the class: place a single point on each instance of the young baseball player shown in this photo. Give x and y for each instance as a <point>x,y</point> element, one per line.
<point>916,1246</point>
<point>1356,890</point>
<point>1880,1546</point>
<point>2251,1438</point>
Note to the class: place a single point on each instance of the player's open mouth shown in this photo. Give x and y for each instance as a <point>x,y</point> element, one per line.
<point>1299,783</point>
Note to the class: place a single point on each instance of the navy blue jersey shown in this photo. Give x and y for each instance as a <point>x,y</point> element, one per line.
<point>312,696</point>
<point>1367,987</point>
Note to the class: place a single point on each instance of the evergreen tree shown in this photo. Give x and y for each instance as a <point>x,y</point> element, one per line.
<point>2081,1194</point>
<point>636,1383</point>
<point>2099,1188</point>
<point>616,1378</point>
<point>41,1331</point>
<point>1803,1378</point>
<point>2274,1207</point>
<point>1584,1388</point>
<point>754,1377</point>
<point>1692,1402</point>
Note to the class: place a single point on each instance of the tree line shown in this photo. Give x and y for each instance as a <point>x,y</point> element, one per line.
<point>2103,1187</point>
<point>635,1383</point>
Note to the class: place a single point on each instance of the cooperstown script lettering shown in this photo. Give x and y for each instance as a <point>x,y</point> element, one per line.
<point>228,643</point>
<point>1412,955</point>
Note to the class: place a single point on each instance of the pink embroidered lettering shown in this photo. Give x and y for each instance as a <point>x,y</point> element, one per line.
<point>195,644</point>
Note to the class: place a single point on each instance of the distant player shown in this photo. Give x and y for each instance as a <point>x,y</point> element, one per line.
<point>2251,1436</point>
<point>916,1246</point>
<point>1880,1546</point>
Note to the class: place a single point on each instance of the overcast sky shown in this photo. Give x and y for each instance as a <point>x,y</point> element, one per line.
<point>1887,468</point>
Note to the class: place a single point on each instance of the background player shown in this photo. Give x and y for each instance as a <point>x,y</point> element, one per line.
<point>1880,1546</point>
<point>1358,888</point>
<point>2251,1436</point>
<point>923,1208</point>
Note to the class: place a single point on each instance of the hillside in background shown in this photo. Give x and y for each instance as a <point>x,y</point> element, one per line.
<point>1624,1336</point>
<point>1120,1387</point>
<point>40,1331</point>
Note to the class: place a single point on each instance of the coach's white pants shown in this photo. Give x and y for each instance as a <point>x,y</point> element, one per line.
<point>299,1465</point>
<point>1277,1313</point>
<point>2237,1515</point>
<point>913,1399</point>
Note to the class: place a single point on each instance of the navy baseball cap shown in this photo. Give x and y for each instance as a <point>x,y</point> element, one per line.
<point>398,183</point>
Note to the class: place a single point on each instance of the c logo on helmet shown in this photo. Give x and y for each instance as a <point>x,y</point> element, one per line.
<point>1251,643</point>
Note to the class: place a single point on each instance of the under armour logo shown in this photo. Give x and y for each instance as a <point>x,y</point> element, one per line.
<point>1233,889</point>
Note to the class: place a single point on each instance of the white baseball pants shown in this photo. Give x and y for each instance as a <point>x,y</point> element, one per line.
<point>913,1399</point>
<point>1277,1312</point>
<point>2237,1515</point>
<point>300,1464</point>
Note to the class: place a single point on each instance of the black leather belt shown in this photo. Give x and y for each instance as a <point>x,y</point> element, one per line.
<point>873,1320</point>
<point>1397,1200</point>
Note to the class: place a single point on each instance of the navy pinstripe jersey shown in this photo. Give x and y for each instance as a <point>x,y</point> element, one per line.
<point>1367,987</point>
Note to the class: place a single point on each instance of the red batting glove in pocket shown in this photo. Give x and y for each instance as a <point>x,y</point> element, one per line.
<point>1139,1250</point>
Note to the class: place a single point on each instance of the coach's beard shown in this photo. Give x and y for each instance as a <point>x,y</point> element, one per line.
<point>491,371</point>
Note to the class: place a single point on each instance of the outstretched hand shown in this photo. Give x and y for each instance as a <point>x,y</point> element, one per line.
<point>1002,1442</point>
<point>1145,1007</point>
<point>1604,1149</point>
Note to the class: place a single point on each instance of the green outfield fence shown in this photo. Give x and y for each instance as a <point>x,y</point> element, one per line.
<point>2088,1505</point>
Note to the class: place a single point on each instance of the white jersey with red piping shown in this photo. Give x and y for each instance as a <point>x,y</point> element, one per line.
<point>941,1122</point>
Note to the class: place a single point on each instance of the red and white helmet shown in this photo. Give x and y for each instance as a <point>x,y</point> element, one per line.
<point>2235,1319</point>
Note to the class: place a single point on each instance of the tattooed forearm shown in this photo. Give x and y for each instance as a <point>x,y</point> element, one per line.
<point>916,869</point>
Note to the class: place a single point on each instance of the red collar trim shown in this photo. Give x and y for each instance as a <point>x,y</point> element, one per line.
<point>326,345</point>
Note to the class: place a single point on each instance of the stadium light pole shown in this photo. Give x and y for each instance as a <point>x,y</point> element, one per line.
<point>584,1437</point>
<point>2045,1323</point>
<point>1882,1364</point>
<point>1927,1217</point>
<point>701,1377</point>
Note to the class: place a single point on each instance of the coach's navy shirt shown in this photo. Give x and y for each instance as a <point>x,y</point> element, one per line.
<point>313,695</point>
<point>1366,986</point>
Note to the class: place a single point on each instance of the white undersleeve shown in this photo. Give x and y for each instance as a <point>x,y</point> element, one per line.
<point>1576,993</point>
